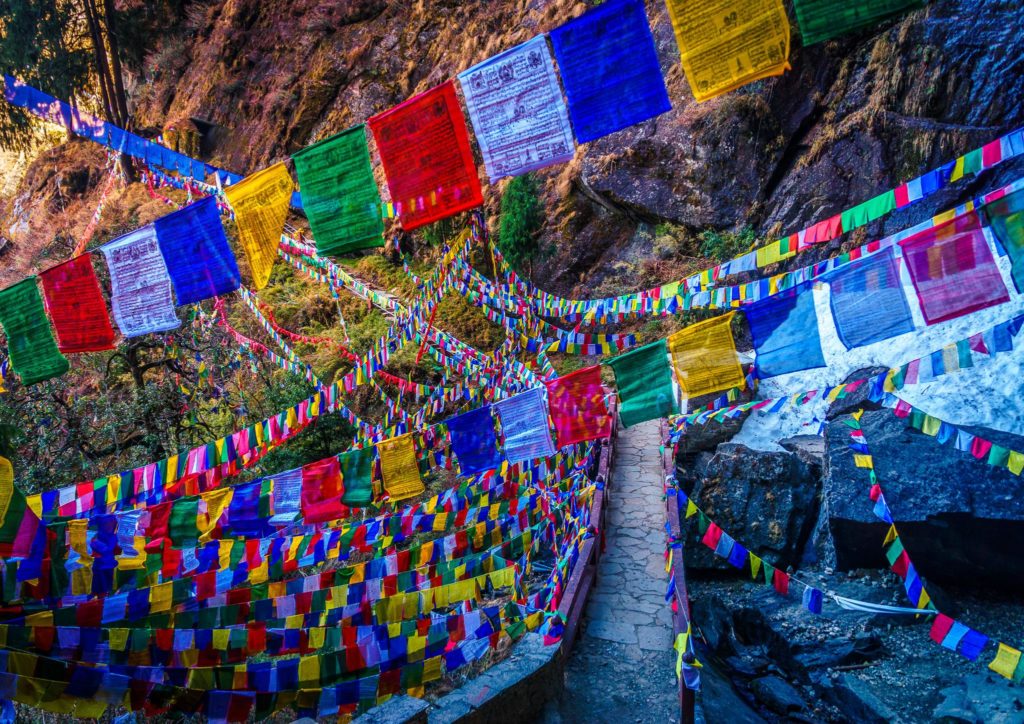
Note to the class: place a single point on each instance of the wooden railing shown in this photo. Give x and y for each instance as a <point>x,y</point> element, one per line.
<point>681,616</point>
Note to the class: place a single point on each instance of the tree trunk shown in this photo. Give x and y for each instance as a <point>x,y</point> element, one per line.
<point>100,53</point>
<point>115,61</point>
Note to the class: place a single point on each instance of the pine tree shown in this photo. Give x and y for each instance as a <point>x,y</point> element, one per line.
<point>522,218</point>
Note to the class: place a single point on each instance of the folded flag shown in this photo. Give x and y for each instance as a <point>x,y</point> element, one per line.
<point>260,203</point>
<point>140,287</point>
<point>76,307</point>
<point>30,344</point>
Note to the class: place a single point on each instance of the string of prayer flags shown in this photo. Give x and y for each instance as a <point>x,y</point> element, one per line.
<point>1006,219</point>
<point>867,300</point>
<point>339,194</point>
<point>76,307</point>
<point>728,43</point>
<point>322,491</point>
<point>785,332</point>
<point>610,69</point>
<point>825,19</point>
<point>953,270</point>
<point>524,423</point>
<point>473,440</point>
<point>399,468</point>
<point>424,148</point>
<point>644,379</point>
<point>31,347</point>
<point>357,475</point>
<point>577,405</point>
<point>200,262</point>
<point>518,114</point>
<point>260,203</point>
<point>141,297</point>
<point>704,357</point>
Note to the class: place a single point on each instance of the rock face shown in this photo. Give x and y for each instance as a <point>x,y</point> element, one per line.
<point>961,520</point>
<point>766,500</point>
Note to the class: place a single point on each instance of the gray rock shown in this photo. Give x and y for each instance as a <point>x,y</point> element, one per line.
<point>961,520</point>
<point>776,694</point>
<point>858,702</point>
<point>837,652</point>
<point>858,399</point>
<point>399,709</point>
<point>981,698</point>
<point>768,501</point>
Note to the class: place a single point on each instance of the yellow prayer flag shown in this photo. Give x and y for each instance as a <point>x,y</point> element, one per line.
<point>309,670</point>
<point>6,487</point>
<point>118,638</point>
<point>691,508</point>
<point>399,468</point>
<point>755,566</point>
<point>39,618</point>
<point>1006,661</point>
<point>160,597</point>
<point>316,638</point>
<point>863,461</point>
<point>260,203</point>
<point>221,637</point>
<point>217,501</point>
<point>1015,464</point>
<point>704,357</point>
<point>931,425</point>
<point>35,504</point>
<point>432,669</point>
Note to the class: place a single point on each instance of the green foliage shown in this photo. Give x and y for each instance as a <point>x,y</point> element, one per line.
<point>522,218</point>
<point>723,245</point>
<point>439,232</point>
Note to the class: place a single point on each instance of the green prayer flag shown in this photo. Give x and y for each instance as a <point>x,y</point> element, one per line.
<point>30,342</point>
<point>182,526</point>
<point>998,456</point>
<point>644,379</point>
<point>1006,217</point>
<point>339,194</point>
<point>824,19</point>
<point>869,211</point>
<point>357,477</point>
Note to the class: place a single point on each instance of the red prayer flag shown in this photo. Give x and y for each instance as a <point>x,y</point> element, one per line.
<point>321,491</point>
<point>577,406</point>
<point>76,308</point>
<point>425,151</point>
<point>940,627</point>
<point>780,580</point>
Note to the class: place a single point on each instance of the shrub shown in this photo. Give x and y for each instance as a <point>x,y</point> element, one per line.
<point>522,217</point>
<point>723,245</point>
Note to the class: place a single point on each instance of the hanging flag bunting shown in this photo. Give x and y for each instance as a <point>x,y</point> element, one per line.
<point>704,357</point>
<point>524,423</point>
<point>321,491</point>
<point>399,468</point>
<point>953,270</point>
<point>260,203</point>
<point>1006,218</point>
<point>30,344</point>
<point>517,110</point>
<point>610,69</point>
<point>473,440</point>
<point>424,148</point>
<point>785,332</point>
<point>644,379</point>
<point>357,476</point>
<point>867,300</point>
<point>339,194</point>
<point>76,307</point>
<point>140,287</point>
<point>825,19</point>
<point>578,408</point>
<point>200,262</point>
<point>728,43</point>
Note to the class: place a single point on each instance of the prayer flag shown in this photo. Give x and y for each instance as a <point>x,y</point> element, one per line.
<point>321,491</point>
<point>577,406</point>
<point>867,300</point>
<point>140,288</point>
<point>610,69</point>
<point>728,43</point>
<point>339,194</point>
<point>473,440</point>
<point>76,307</point>
<point>424,148</point>
<point>1006,661</point>
<point>785,332</point>
<point>1006,218</point>
<point>30,344</point>
<point>399,468</point>
<point>953,270</point>
<point>524,423</point>
<point>704,357</point>
<point>824,19</point>
<point>517,110</point>
<point>287,496</point>
<point>260,203</point>
<point>357,476</point>
<point>644,379</point>
<point>198,258</point>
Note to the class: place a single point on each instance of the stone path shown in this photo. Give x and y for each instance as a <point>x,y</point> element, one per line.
<point>621,669</point>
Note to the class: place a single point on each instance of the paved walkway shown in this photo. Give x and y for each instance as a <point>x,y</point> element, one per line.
<point>621,669</point>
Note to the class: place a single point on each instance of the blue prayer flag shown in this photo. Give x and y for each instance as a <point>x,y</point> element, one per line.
<point>200,262</point>
<point>610,69</point>
<point>867,300</point>
<point>785,332</point>
<point>474,442</point>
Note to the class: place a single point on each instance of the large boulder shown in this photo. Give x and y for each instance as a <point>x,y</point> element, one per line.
<point>961,520</point>
<point>768,501</point>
